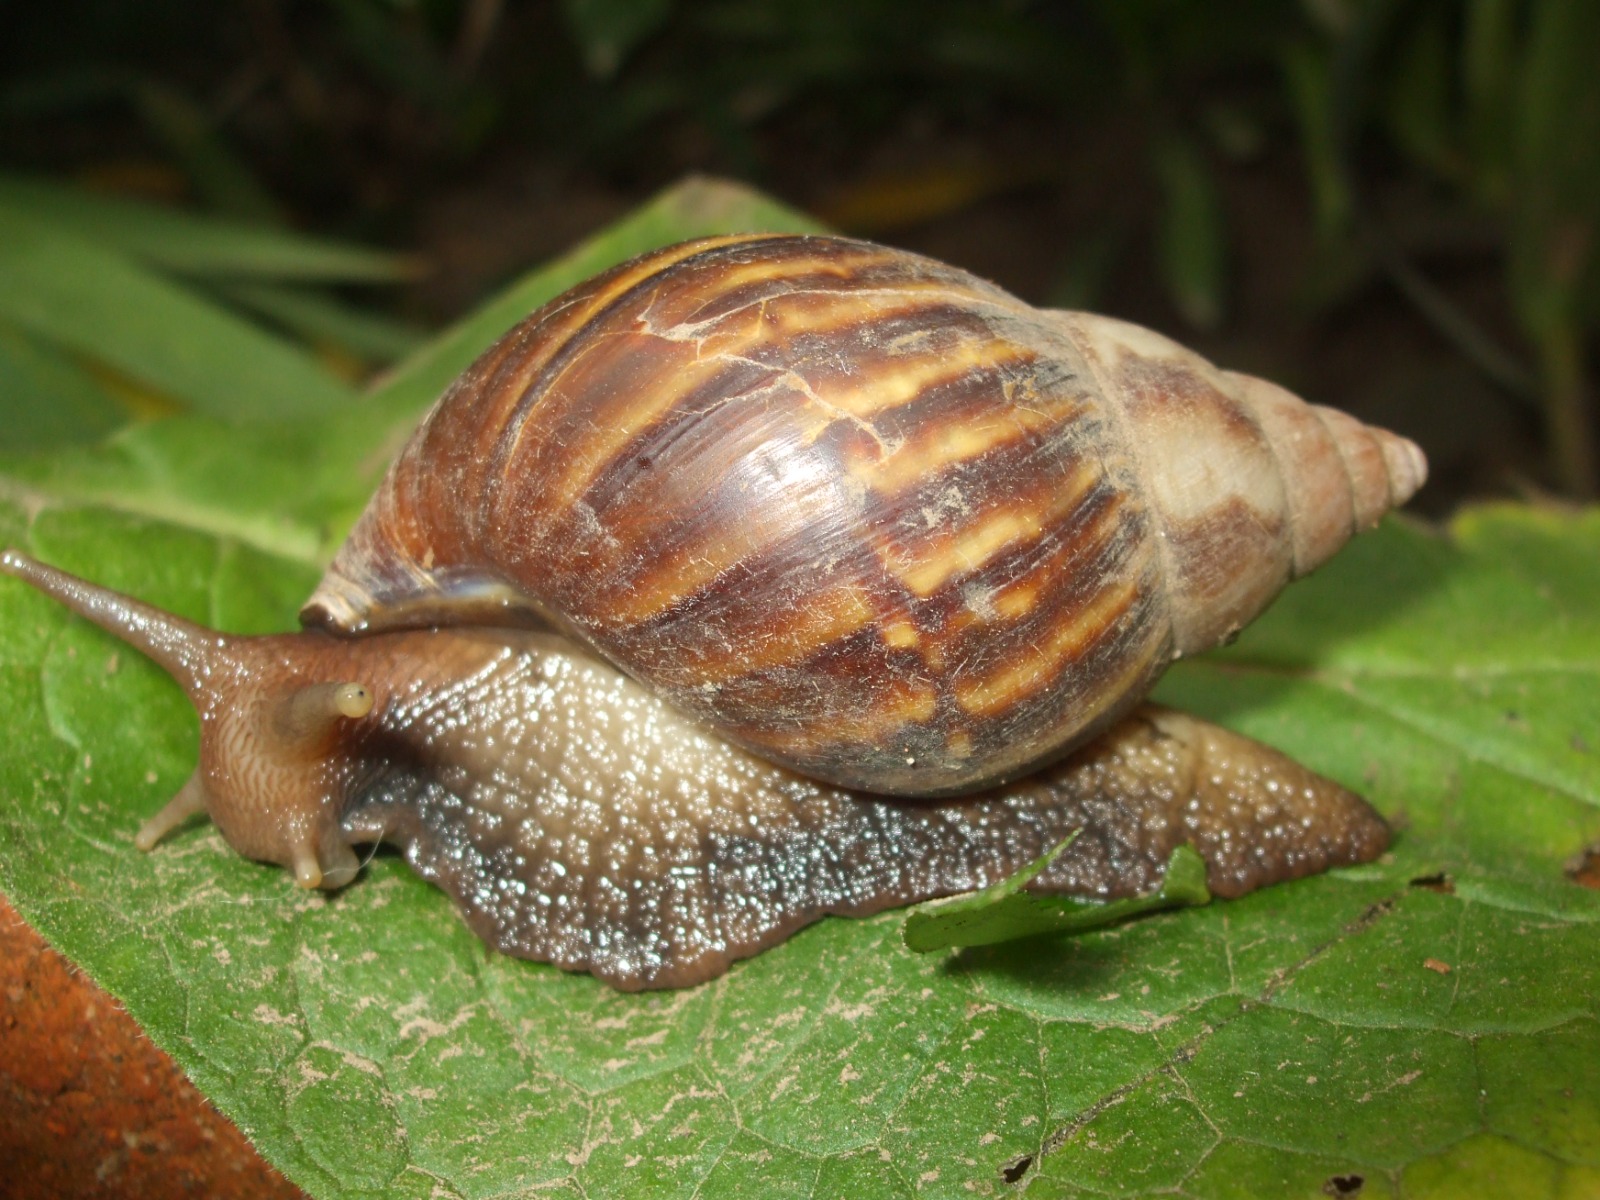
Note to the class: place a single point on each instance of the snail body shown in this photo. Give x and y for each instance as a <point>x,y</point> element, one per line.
<point>682,603</point>
<point>576,818</point>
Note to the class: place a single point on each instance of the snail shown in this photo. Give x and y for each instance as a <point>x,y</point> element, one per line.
<point>763,577</point>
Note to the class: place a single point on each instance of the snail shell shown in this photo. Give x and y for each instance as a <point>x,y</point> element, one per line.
<point>858,511</point>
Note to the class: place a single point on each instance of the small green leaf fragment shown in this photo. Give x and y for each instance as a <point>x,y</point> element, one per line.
<point>608,30</point>
<point>1006,911</point>
<point>190,134</point>
<point>1308,79</point>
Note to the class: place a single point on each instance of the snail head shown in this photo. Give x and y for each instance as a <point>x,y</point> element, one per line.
<point>276,724</point>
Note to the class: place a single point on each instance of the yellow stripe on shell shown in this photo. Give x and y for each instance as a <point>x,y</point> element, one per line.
<point>795,634</point>
<point>932,562</point>
<point>1035,667</point>
<point>901,706</point>
<point>945,444</point>
<point>708,347</point>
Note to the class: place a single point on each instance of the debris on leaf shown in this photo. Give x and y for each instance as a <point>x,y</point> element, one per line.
<point>1006,911</point>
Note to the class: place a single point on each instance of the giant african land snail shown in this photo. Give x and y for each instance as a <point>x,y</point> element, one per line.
<point>854,525</point>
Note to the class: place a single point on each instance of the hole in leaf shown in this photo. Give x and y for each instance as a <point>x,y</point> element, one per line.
<point>1374,914</point>
<point>1344,1185</point>
<point>1016,1169</point>
<point>1584,870</point>
<point>1437,882</point>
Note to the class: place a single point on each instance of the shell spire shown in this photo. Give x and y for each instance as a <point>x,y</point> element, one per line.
<point>1250,486</point>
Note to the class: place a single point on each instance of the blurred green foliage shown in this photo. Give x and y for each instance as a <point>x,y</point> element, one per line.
<point>111,308</point>
<point>1483,112</point>
<point>1496,105</point>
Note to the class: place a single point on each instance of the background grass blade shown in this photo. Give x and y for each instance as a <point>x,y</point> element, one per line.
<point>195,244</point>
<point>46,398</point>
<point>89,299</point>
<point>321,320</point>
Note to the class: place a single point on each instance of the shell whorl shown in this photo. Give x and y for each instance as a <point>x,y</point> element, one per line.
<point>1249,486</point>
<point>857,510</point>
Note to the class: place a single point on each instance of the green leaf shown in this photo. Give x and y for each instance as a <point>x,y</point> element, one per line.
<point>190,135</point>
<point>194,244</point>
<point>1004,911</point>
<point>399,51</point>
<point>1081,279</point>
<point>1488,70</point>
<point>1554,274</point>
<point>91,300</point>
<point>1555,267</point>
<point>1309,86</point>
<point>1422,104</point>
<point>369,1046</point>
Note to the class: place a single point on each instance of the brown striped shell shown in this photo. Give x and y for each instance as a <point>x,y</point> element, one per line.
<point>857,510</point>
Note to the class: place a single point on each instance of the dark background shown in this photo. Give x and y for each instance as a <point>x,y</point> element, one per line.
<point>1388,205</point>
